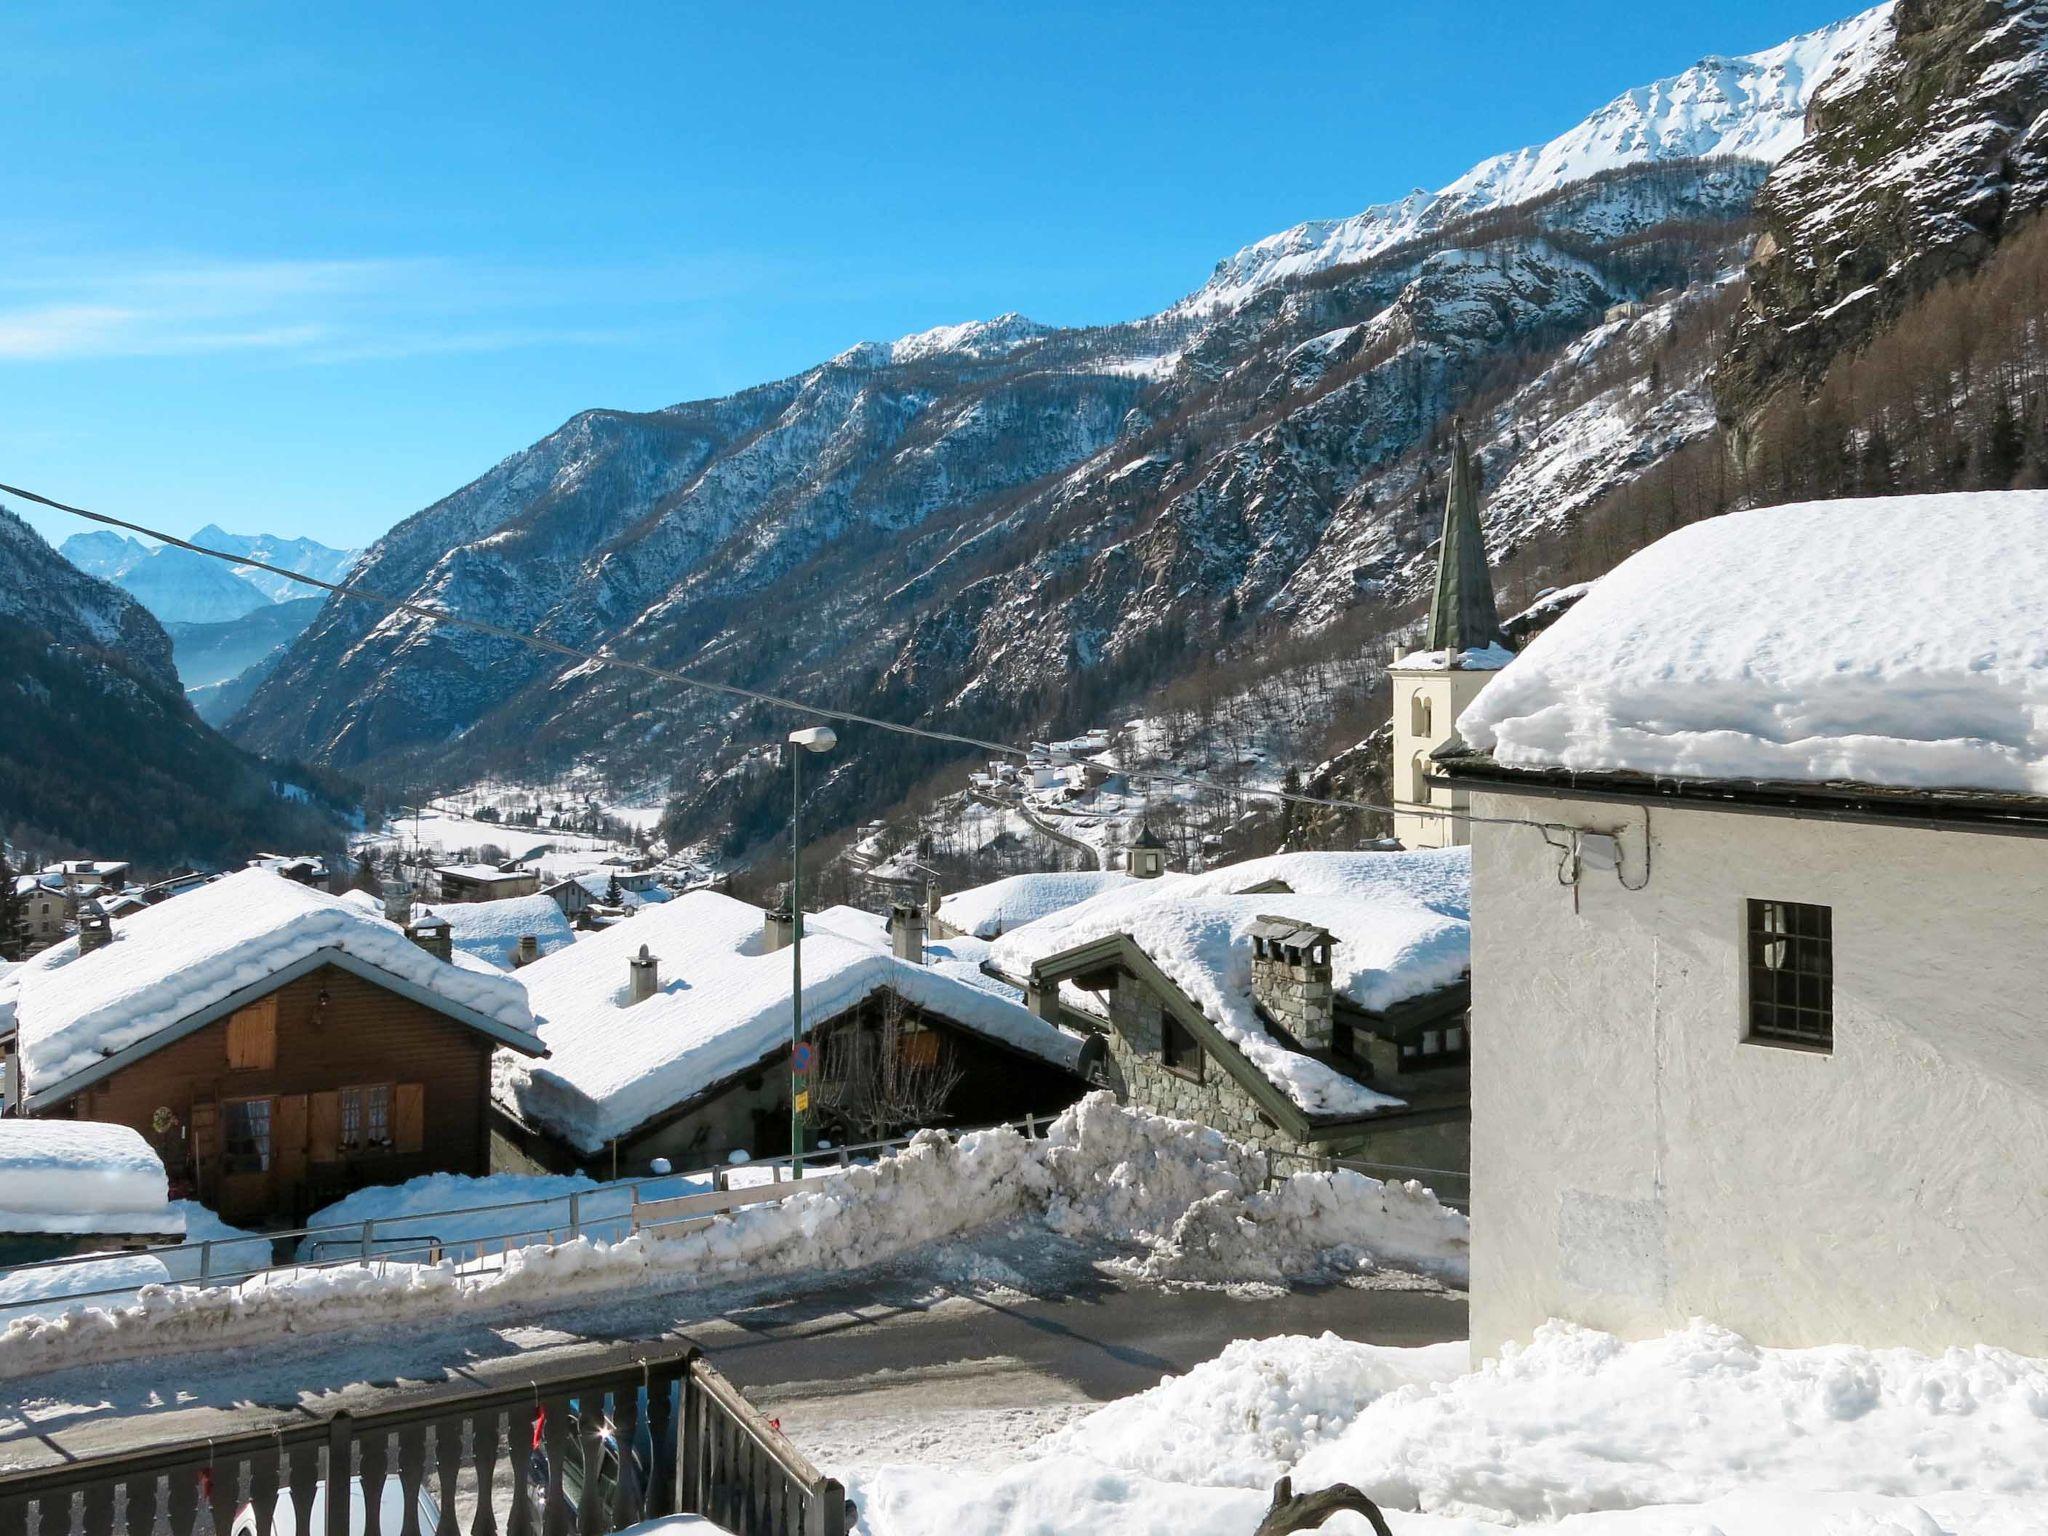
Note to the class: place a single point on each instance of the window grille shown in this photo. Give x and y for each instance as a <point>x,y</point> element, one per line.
<point>1791,973</point>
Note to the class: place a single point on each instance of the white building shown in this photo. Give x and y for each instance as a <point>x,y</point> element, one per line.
<point>1758,1027</point>
<point>1460,651</point>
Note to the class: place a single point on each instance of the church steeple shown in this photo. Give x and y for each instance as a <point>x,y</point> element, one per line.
<point>1462,616</point>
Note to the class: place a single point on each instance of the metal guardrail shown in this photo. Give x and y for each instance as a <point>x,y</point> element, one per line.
<point>608,1212</point>
<point>591,1452</point>
<point>1449,1185</point>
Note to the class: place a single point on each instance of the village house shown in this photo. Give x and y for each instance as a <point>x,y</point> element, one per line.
<point>45,907</point>
<point>1311,1003</point>
<point>669,1036</point>
<point>277,1046</point>
<point>1758,965</point>
<point>992,910</point>
<point>484,882</point>
<point>85,876</point>
<point>505,934</point>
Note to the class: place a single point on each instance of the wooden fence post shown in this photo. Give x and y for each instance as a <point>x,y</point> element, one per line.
<point>341,1445</point>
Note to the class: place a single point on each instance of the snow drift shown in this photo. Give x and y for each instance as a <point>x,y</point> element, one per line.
<point>1103,1170</point>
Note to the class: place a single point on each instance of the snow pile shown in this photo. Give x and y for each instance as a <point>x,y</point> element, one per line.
<point>82,1176</point>
<point>50,1291</point>
<point>490,931</point>
<point>1891,641</point>
<point>1401,922</point>
<point>1104,1172</point>
<point>1699,1433</point>
<point>989,911</point>
<point>168,962</point>
<point>723,1007</point>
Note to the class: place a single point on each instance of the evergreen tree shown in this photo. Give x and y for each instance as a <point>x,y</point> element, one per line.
<point>365,878</point>
<point>13,920</point>
<point>614,893</point>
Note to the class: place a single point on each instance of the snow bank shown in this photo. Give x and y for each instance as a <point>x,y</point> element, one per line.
<point>989,911</point>
<point>42,1294</point>
<point>490,931</point>
<point>167,962</point>
<point>82,1176</point>
<point>1699,1433</point>
<point>723,1006</point>
<point>1402,922</point>
<point>1104,1171</point>
<point>1893,641</point>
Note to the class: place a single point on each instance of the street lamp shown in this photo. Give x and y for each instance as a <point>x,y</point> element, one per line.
<point>816,738</point>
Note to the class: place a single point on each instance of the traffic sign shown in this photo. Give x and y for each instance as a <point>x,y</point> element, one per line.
<point>803,1101</point>
<point>800,1058</point>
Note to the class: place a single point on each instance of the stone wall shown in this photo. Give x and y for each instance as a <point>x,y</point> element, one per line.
<point>1301,999</point>
<point>1138,1077</point>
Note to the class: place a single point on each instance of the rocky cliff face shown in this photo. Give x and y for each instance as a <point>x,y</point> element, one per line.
<point>1915,166</point>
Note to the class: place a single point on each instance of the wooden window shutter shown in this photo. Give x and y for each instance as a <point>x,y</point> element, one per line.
<point>252,1036</point>
<point>323,1127</point>
<point>408,1116</point>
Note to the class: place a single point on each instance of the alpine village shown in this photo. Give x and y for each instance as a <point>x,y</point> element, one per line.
<point>1222,922</point>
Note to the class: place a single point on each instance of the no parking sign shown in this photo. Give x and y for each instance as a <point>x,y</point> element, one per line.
<point>800,1058</point>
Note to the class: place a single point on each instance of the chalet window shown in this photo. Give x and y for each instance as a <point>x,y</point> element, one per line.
<point>245,1136</point>
<point>1436,1047</point>
<point>252,1037</point>
<point>366,1117</point>
<point>1179,1050</point>
<point>1792,974</point>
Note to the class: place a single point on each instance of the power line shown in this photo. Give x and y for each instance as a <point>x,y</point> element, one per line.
<point>609,658</point>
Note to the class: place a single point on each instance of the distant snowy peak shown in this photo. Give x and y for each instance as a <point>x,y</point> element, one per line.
<point>1752,106</point>
<point>180,587</point>
<point>970,338</point>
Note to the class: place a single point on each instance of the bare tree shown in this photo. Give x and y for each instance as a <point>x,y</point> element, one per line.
<point>878,1077</point>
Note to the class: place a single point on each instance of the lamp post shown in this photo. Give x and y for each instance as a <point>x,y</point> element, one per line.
<point>817,738</point>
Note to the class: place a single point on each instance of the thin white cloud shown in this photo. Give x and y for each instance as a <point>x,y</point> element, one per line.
<point>331,311</point>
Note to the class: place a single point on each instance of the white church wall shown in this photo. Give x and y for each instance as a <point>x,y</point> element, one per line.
<point>1636,1163</point>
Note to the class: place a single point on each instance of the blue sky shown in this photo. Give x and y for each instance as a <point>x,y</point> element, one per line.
<point>306,273</point>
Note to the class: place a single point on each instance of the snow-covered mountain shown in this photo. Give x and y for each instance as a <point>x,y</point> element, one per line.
<point>1005,528</point>
<point>180,587</point>
<point>1752,107</point>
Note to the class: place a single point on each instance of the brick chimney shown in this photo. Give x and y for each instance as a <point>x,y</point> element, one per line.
<point>1291,979</point>
<point>95,928</point>
<point>529,950</point>
<point>644,978</point>
<point>906,932</point>
<point>433,935</point>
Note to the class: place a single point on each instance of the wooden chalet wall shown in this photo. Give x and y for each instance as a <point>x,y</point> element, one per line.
<point>438,1071</point>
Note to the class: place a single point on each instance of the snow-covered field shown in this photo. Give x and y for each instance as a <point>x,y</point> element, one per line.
<point>1699,1433</point>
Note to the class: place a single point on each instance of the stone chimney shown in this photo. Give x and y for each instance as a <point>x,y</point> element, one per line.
<point>398,903</point>
<point>433,935</point>
<point>906,932</point>
<point>1291,979</point>
<point>644,979</point>
<point>778,927</point>
<point>95,928</point>
<point>529,950</point>
<point>1043,998</point>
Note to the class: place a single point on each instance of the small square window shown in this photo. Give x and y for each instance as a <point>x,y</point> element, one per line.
<point>1179,1050</point>
<point>1791,961</point>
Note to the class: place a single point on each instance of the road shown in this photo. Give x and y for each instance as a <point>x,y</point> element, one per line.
<point>888,1344</point>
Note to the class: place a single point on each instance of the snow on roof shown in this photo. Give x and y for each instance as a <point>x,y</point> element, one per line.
<point>169,962</point>
<point>1892,641</point>
<point>959,957</point>
<point>490,930</point>
<point>723,1005</point>
<point>1402,922</point>
<point>989,910</point>
<point>81,1176</point>
<point>362,901</point>
<point>1490,657</point>
<point>484,872</point>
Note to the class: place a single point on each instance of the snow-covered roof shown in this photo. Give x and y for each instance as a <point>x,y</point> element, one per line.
<point>723,1006</point>
<point>484,872</point>
<point>1402,924</point>
<point>1892,641</point>
<point>81,1176</point>
<point>987,911</point>
<point>490,930</point>
<point>178,964</point>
